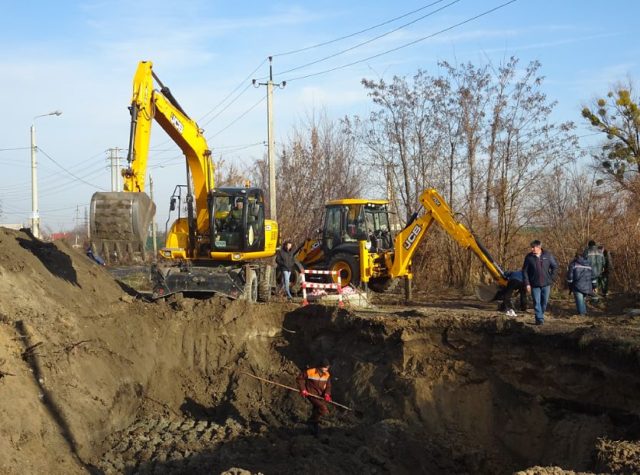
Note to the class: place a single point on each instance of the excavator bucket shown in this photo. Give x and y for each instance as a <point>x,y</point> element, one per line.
<point>120,223</point>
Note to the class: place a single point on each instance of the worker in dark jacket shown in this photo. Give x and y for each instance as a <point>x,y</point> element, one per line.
<point>316,382</point>
<point>515,283</point>
<point>580,281</point>
<point>603,280</point>
<point>595,256</point>
<point>285,263</point>
<point>539,271</point>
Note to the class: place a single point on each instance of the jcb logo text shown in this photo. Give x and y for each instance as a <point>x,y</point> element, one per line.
<point>412,237</point>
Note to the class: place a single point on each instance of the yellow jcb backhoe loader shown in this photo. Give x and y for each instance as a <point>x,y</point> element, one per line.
<point>218,246</point>
<point>357,241</point>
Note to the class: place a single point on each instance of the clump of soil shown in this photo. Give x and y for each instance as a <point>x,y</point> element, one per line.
<point>94,378</point>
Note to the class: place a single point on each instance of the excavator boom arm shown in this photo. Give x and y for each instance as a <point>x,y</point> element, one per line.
<point>148,104</point>
<point>435,208</point>
<point>120,220</point>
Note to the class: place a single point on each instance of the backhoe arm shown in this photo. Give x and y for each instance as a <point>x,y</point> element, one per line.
<point>435,208</point>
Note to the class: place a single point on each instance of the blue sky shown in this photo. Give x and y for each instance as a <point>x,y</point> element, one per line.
<point>80,57</point>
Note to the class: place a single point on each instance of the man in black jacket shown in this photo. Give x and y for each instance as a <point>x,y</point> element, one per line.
<point>579,279</point>
<point>539,272</point>
<point>286,261</point>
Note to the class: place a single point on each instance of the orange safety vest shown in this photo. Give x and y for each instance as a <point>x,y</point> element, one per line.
<point>314,374</point>
<point>316,382</point>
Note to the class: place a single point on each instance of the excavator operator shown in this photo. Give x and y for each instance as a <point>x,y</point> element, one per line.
<point>234,220</point>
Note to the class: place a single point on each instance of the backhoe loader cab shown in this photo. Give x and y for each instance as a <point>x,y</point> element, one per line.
<point>347,223</point>
<point>351,220</point>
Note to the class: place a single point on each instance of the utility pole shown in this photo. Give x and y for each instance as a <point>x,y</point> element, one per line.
<point>153,222</point>
<point>75,230</point>
<point>35,212</point>
<point>270,138</point>
<point>86,223</point>
<point>115,167</point>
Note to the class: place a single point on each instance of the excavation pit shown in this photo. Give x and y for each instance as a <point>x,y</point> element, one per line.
<point>98,380</point>
<point>444,395</point>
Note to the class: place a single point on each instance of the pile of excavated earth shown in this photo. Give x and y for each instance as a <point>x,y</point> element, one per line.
<point>96,379</point>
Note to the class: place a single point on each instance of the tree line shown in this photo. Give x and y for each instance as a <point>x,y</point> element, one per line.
<point>485,137</point>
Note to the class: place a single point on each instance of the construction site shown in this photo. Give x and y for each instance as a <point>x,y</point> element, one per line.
<point>95,378</point>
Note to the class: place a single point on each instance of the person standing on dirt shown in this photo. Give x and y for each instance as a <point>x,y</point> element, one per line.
<point>580,281</point>
<point>596,260</point>
<point>539,271</point>
<point>603,281</point>
<point>316,382</point>
<point>285,263</point>
<point>515,282</point>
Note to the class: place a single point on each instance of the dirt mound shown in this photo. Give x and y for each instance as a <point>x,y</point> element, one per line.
<point>96,380</point>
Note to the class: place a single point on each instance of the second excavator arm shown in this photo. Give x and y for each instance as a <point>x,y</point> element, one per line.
<point>435,209</point>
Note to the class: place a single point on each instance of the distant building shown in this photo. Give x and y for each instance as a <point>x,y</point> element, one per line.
<point>58,236</point>
<point>16,227</point>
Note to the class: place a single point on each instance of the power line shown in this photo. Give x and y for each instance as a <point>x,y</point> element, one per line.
<point>14,148</point>
<point>370,40</point>
<point>228,105</point>
<point>67,171</point>
<point>239,117</point>
<point>234,90</point>
<point>50,178</point>
<point>224,100</point>
<point>357,32</point>
<point>411,43</point>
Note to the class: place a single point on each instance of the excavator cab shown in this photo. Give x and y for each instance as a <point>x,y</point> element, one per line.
<point>238,222</point>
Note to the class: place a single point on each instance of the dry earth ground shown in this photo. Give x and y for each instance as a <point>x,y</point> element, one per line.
<point>96,380</point>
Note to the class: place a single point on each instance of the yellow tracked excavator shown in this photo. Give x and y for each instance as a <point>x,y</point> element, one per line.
<point>357,241</point>
<point>221,245</point>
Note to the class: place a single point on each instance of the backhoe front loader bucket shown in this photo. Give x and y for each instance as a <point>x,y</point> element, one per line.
<point>120,224</point>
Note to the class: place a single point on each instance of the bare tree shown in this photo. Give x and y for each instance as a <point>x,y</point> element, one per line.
<point>483,135</point>
<point>316,163</point>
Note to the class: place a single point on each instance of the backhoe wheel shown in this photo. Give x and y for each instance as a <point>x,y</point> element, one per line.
<point>348,268</point>
<point>265,283</point>
<point>383,284</point>
<point>251,285</point>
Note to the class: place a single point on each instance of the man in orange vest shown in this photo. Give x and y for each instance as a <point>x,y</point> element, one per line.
<point>316,382</point>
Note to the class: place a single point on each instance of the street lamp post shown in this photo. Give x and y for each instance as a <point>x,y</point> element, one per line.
<point>35,215</point>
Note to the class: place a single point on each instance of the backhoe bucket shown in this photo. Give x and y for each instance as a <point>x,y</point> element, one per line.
<point>488,292</point>
<point>120,224</point>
